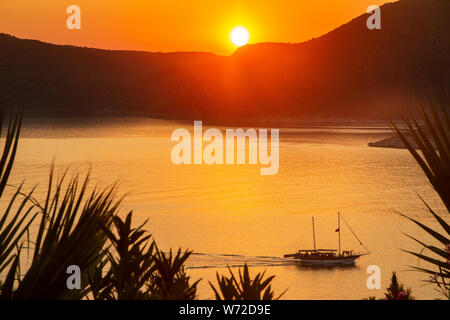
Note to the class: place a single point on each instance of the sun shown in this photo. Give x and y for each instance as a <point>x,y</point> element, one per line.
<point>239,36</point>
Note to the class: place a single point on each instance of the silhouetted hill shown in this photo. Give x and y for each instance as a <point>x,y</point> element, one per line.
<point>351,72</point>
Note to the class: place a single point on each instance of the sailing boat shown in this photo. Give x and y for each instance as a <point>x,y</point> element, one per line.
<point>326,257</point>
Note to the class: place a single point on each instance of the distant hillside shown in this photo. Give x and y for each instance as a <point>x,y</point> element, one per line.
<point>351,72</point>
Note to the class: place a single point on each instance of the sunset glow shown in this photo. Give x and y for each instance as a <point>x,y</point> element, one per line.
<point>188,26</point>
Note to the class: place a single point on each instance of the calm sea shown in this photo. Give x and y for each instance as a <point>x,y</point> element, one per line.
<point>231,215</point>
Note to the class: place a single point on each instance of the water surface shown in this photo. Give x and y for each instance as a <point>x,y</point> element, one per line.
<point>231,215</point>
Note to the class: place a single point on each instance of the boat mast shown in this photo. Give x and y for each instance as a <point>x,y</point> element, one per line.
<point>339,230</point>
<point>314,234</point>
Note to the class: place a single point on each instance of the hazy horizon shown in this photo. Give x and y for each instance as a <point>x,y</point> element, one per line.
<point>190,28</point>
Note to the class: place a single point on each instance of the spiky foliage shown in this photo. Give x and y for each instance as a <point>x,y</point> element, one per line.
<point>433,140</point>
<point>431,134</point>
<point>135,269</point>
<point>13,224</point>
<point>396,291</point>
<point>130,263</point>
<point>247,288</point>
<point>70,232</point>
<point>170,281</point>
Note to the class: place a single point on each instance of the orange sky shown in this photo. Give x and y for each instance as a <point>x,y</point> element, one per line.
<point>176,25</point>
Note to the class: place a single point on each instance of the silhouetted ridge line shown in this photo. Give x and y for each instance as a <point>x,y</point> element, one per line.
<point>349,73</point>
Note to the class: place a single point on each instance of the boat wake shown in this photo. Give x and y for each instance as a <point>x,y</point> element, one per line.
<point>211,260</point>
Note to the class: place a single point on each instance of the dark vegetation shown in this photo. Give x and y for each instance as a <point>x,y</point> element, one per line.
<point>424,130</point>
<point>428,126</point>
<point>395,291</point>
<point>229,288</point>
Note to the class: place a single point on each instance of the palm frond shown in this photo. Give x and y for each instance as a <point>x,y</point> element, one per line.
<point>431,135</point>
<point>433,141</point>
<point>70,233</point>
<point>258,288</point>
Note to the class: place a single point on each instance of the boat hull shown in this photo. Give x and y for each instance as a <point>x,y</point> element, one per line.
<point>325,261</point>
<point>330,262</point>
